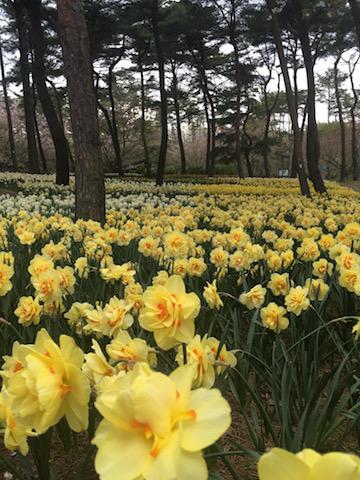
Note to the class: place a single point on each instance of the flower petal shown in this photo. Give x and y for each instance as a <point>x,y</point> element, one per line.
<point>212,419</point>
<point>120,455</point>
<point>282,465</point>
<point>336,466</point>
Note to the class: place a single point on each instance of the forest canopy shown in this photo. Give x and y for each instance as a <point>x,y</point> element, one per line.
<point>189,86</point>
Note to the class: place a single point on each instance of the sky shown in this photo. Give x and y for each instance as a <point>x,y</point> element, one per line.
<point>322,65</point>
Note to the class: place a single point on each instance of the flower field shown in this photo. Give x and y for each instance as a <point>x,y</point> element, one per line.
<point>202,326</point>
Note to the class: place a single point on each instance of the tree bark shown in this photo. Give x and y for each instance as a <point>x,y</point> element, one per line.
<point>115,134</point>
<point>341,120</point>
<point>163,96</point>
<point>247,151</point>
<point>230,20</point>
<point>24,50</point>
<point>208,101</point>
<point>354,142</point>
<point>143,119</point>
<point>266,133</point>
<point>178,118</point>
<point>8,112</point>
<point>61,118</point>
<point>56,131</point>
<point>238,106</point>
<point>298,153</point>
<point>312,140</point>
<point>89,174</point>
<point>269,109</point>
<point>293,171</point>
<point>38,135</point>
<point>208,132</point>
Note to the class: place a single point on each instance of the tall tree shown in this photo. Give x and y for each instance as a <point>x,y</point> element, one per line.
<point>298,152</point>
<point>337,81</point>
<point>175,96</point>
<point>268,57</point>
<point>38,134</point>
<point>198,36</point>
<point>140,64</point>
<point>352,63</point>
<point>114,122</point>
<point>230,13</point>
<point>39,72</point>
<point>8,111</point>
<point>163,94</point>
<point>21,21</point>
<point>89,176</point>
<point>295,11</point>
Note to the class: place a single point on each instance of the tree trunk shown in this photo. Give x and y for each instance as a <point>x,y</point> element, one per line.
<point>341,120</point>
<point>293,171</point>
<point>8,112</point>
<point>269,109</point>
<point>298,153</point>
<point>354,142</point>
<point>312,140</point>
<point>57,101</point>
<point>213,137</point>
<point>266,145</point>
<point>115,134</point>
<point>355,10</point>
<point>41,150</point>
<point>163,96</point>
<point>208,100</point>
<point>212,120</point>
<point>247,138</point>
<point>238,106</point>
<point>143,119</point>
<point>266,133</point>
<point>354,146</point>
<point>56,131</point>
<point>208,132</point>
<point>248,162</point>
<point>89,174</point>
<point>38,135</point>
<point>178,118</point>
<point>24,49</point>
<point>61,118</point>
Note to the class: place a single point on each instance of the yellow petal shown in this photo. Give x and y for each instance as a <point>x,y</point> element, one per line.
<point>163,340</point>
<point>164,465</point>
<point>154,396</point>
<point>212,418</point>
<point>191,465</point>
<point>120,455</point>
<point>336,466</point>
<point>279,464</point>
<point>183,378</point>
<point>308,456</point>
<point>175,284</point>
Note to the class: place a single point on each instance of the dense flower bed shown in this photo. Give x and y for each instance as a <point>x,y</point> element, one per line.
<point>190,297</point>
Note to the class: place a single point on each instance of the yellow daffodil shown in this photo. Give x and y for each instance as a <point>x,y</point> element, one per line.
<point>49,384</point>
<point>273,317</point>
<point>211,296</point>
<point>254,298</point>
<point>28,311</point>
<point>160,422</point>
<point>297,300</point>
<point>170,312</point>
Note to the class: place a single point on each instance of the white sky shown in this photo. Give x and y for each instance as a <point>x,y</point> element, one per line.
<point>322,65</point>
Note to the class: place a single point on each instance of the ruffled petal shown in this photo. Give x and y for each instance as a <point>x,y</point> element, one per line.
<point>279,464</point>
<point>211,418</point>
